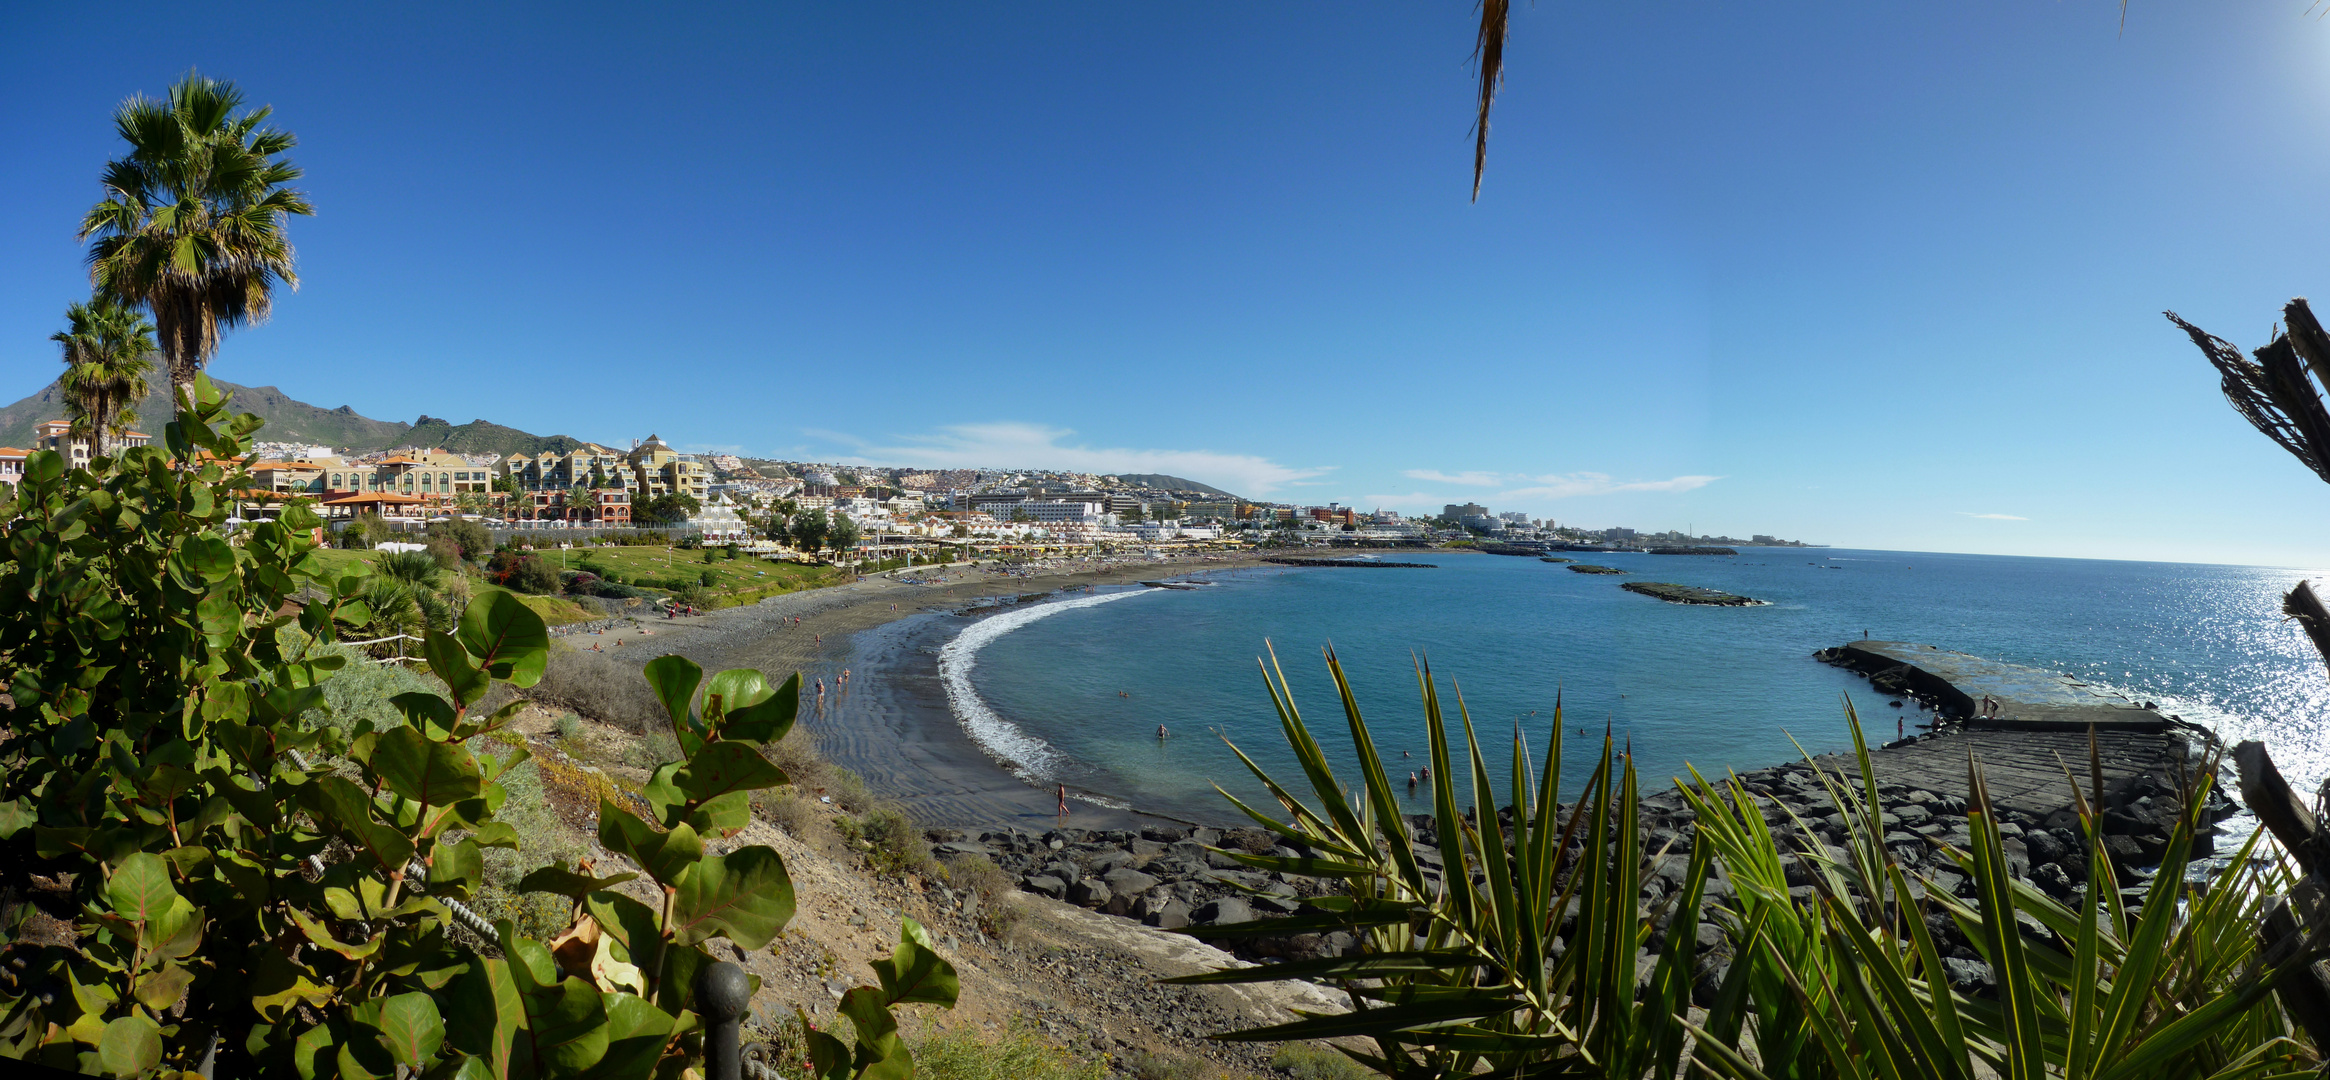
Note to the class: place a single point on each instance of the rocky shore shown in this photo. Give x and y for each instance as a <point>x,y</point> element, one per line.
<point>1350,564</point>
<point>1590,568</point>
<point>1170,877</point>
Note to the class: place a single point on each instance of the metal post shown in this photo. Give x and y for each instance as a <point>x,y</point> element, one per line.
<point>723,991</point>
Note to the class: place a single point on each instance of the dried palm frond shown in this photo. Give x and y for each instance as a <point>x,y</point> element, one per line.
<point>2274,392</point>
<point>1489,53</point>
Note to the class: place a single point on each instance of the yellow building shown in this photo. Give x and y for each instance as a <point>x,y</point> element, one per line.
<point>661,470</point>
<point>57,435</point>
<point>424,473</point>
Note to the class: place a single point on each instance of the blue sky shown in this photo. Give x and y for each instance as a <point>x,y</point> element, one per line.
<point>1882,275</point>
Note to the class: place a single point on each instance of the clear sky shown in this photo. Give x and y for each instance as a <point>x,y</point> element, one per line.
<point>1872,274</point>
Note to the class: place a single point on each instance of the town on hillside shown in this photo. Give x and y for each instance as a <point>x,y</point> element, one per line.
<point>890,513</point>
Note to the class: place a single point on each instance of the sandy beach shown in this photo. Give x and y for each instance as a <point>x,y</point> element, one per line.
<point>891,723</point>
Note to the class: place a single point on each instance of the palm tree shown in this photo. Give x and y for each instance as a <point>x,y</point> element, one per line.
<point>106,348</point>
<point>192,225</point>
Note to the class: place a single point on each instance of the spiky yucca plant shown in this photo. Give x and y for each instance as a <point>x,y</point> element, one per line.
<point>1521,957</point>
<point>1518,956</point>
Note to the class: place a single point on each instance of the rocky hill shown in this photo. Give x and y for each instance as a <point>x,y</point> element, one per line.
<point>1162,482</point>
<point>291,420</point>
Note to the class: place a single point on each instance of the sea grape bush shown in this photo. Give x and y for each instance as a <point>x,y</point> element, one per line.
<point>259,894</point>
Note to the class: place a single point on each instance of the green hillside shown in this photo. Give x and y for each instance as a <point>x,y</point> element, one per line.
<point>288,420</point>
<point>483,437</point>
<point>292,420</point>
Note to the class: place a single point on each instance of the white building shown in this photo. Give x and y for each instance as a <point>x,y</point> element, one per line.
<point>720,522</point>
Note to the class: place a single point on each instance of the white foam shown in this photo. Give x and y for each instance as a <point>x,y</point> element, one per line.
<point>1030,757</point>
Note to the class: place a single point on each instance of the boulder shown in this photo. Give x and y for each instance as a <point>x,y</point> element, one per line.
<point>1170,915</point>
<point>1130,882</point>
<point>1090,892</point>
<point>1228,909</point>
<point>1047,885</point>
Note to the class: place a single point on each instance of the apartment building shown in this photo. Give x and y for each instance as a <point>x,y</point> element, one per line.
<point>58,435</point>
<point>661,470</point>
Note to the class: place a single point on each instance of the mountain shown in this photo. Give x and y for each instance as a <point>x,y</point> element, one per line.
<point>292,420</point>
<point>1162,482</point>
<point>288,420</point>
<point>483,437</point>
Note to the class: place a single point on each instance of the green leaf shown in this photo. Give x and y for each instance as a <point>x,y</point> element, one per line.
<point>1392,1018</point>
<point>745,895</point>
<point>162,989</point>
<point>15,816</point>
<point>506,637</point>
<point>637,1032</point>
<point>674,679</point>
<point>131,1045</point>
<point>140,887</point>
<point>558,879</point>
<point>450,661</point>
<point>730,690</point>
<point>565,1028</point>
<point>668,857</point>
<point>411,1027</point>
<point>725,767</point>
<point>334,799</point>
<point>455,870</point>
<point>881,1055</point>
<point>766,721</point>
<point>433,773</point>
<point>722,817</point>
<point>916,973</point>
<point>201,562</point>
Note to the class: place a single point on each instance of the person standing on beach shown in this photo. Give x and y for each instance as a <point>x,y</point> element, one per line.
<point>1063,800</point>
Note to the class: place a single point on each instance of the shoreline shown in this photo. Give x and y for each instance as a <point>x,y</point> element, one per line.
<point>892,724</point>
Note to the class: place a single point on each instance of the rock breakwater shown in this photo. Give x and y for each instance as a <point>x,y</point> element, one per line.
<point>1690,594</point>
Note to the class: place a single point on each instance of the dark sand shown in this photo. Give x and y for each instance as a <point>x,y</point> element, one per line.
<point>891,724</point>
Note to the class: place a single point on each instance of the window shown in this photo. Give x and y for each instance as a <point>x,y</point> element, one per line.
<point>336,481</point>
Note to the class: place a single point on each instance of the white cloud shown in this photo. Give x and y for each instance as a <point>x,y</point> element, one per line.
<point>1470,479</point>
<point>1991,517</point>
<point>1035,446</point>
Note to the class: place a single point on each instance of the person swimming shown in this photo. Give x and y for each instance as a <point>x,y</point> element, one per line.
<point>1160,731</point>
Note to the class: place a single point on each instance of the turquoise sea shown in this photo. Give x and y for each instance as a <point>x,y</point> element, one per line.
<point>1072,691</point>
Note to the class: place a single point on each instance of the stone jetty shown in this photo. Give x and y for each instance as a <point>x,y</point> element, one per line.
<point>1956,685</point>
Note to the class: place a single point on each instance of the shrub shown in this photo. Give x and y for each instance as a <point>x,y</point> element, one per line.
<point>1018,1054</point>
<point>706,579</point>
<point>1147,1066</point>
<point>524,573</point>
<point>446,552</point>
<point>893,846</point>
<point>600,687</point>
<point>473,540</point>
<point>1311,1061</point>
<point>997,890</point>
<point>787,809</point>
<point>568,725</point>
<point>360,693</point>
<point>651,750</point>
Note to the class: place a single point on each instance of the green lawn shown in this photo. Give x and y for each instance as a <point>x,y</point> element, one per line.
<point>741,580</point>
